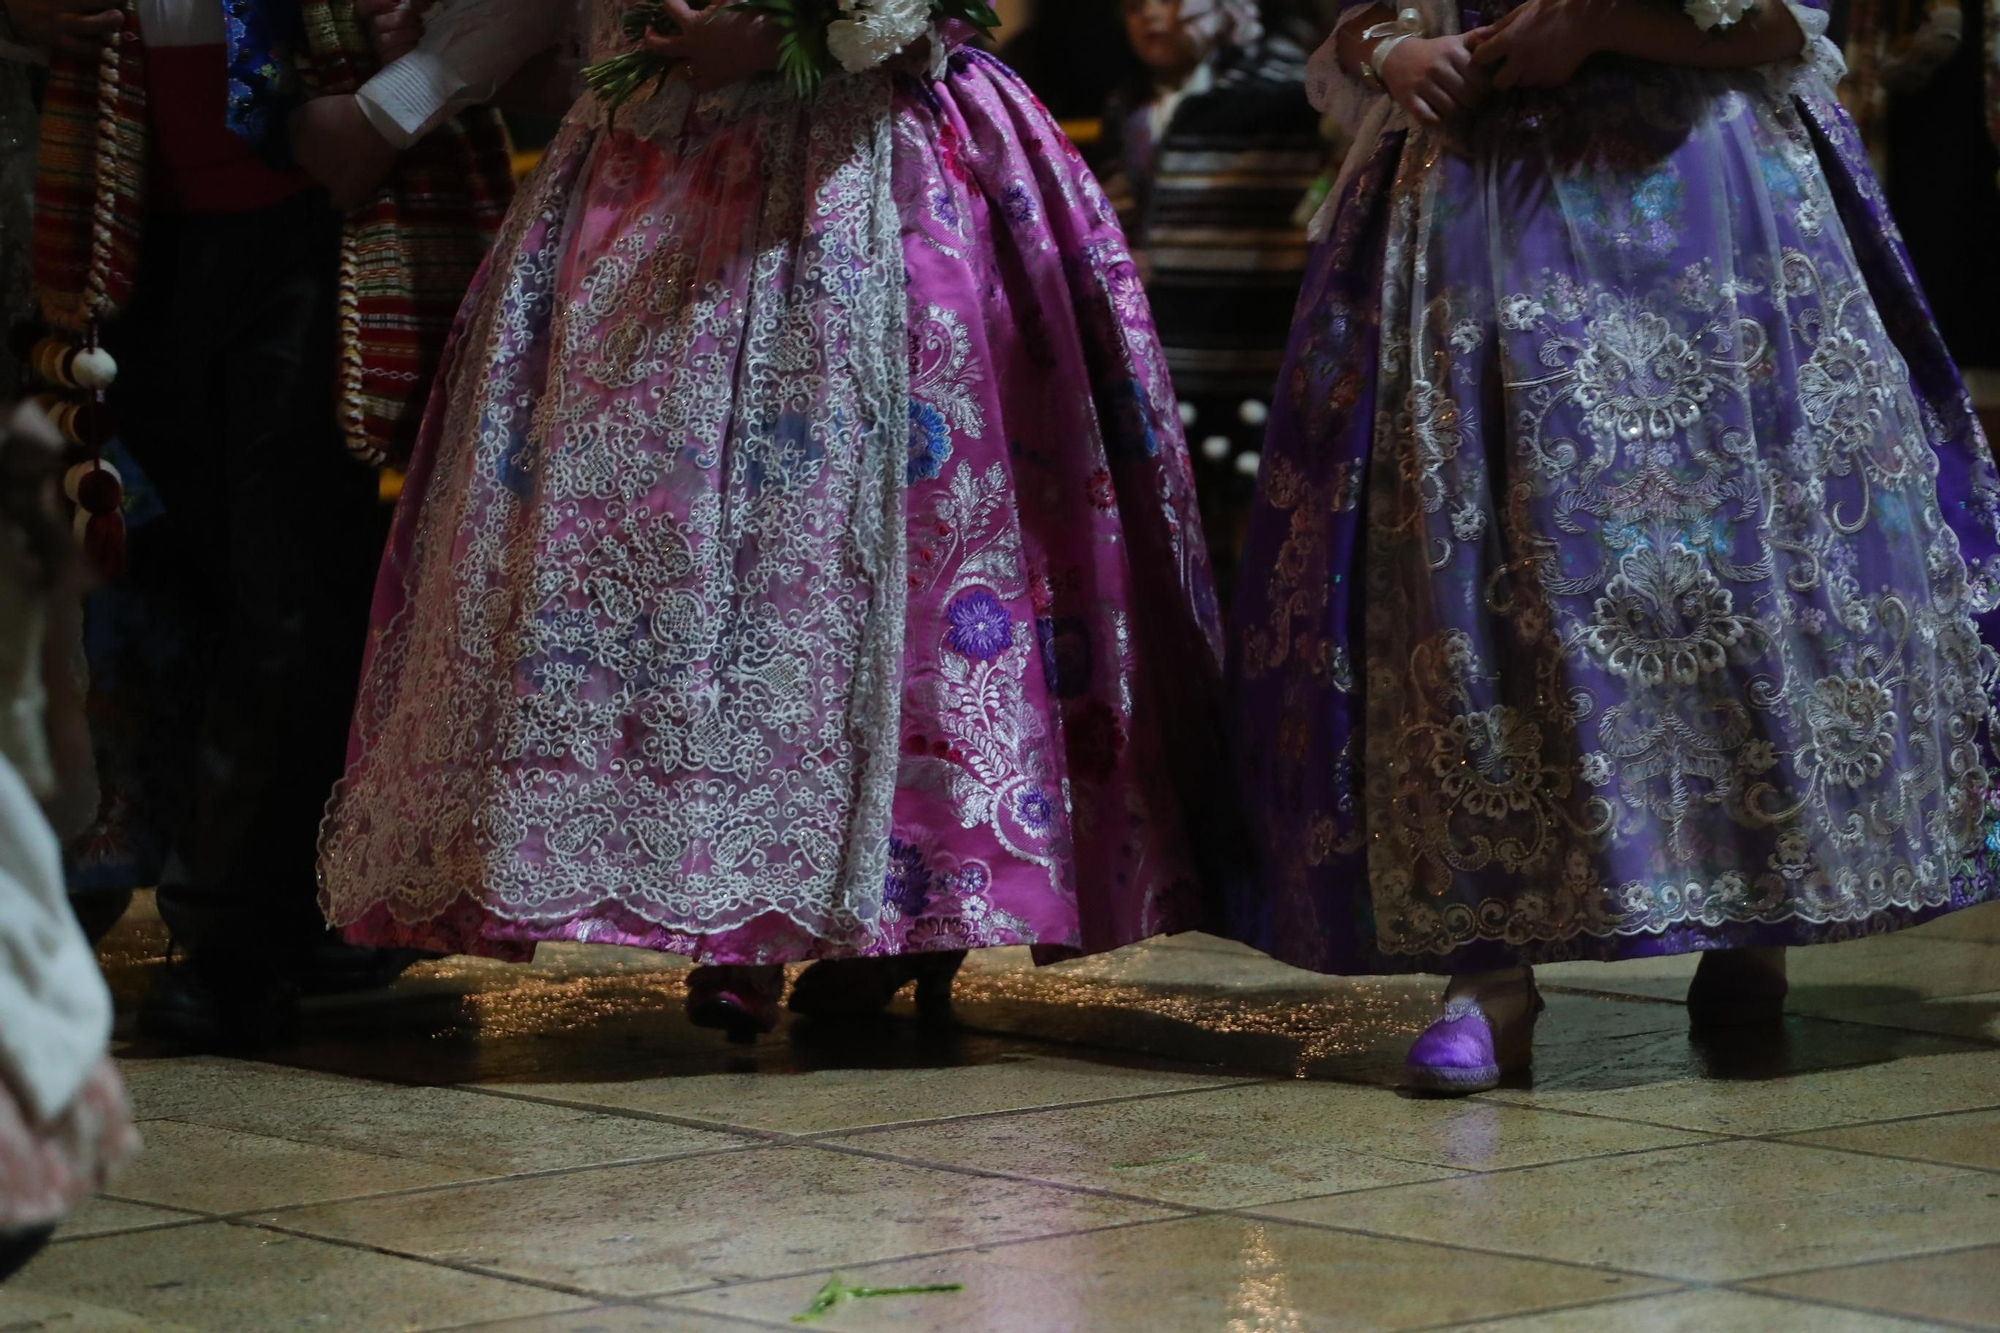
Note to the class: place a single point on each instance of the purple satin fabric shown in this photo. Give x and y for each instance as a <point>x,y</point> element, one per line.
<point>1614,452</point>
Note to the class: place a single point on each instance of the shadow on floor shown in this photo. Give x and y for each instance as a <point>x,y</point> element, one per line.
<point>609,1016</point>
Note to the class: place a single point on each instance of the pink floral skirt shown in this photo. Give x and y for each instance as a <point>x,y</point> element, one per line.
<point>592,713</point>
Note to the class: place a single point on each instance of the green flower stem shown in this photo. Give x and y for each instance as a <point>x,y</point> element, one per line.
<point>837,1293</point>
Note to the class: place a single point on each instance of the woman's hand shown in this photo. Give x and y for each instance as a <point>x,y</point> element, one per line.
<point>80,27</point>
<point>394,26</point>
<point>1539,45</point>
<point>716,47</point>
<point>336,144</point>
<point>1433,78</point>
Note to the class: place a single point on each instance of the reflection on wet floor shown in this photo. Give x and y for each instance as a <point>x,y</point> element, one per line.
<point>1180,1136</point>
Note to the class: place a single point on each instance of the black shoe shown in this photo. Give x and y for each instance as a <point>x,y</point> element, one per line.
<point>99,911</point>
<point>17,1248</point>
<point>335,967</point>
<point>856,987</point>
<point>1738,988</point>
<point>222,1002</point>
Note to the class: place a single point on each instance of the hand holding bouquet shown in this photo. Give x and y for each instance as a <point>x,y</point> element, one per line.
<point>802,41</point>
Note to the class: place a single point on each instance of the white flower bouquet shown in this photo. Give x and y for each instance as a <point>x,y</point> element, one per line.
<point>816,38</point>
<point>1719,15</point>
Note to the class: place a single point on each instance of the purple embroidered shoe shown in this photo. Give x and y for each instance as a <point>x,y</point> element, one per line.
<point>1462,1052</point>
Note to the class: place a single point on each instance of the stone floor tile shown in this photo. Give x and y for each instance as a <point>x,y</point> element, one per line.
<point>23,1311</point>
<point>232,1279</point>
<point>1242,1146</point>
<point>1972,1017</point>
<point>666,1227</point>
<point>1809,1075</point>
<point>105,1217</point>
<point>1194,1276</point>
<point>1650,978</point>
<point>1716,1213</point>
<point>1696,1312</point>
<point>470,1134</point>
<point>221,1171</point>
<point>1971,1139</point>
<point>1890,969</point>
<point>832,1100</point>
<point>618,1319</point>
<point>1963,1287</point>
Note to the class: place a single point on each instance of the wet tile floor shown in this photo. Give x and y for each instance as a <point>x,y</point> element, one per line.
<point>1181,1138</point>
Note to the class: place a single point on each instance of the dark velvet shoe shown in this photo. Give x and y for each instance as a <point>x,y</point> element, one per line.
<point>222,1001</point>
<point>335,967</point>
<point>1735,988</point>
<point>19,1247</point>
<point>99,911</point>
<point>857,987</point>
<point>739,1002</point>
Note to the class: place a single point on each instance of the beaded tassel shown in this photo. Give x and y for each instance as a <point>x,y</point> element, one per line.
<point>79,371</point>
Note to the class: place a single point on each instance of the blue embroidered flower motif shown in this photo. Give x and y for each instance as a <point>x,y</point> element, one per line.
<point>1066,655</point>
<point>930,442</point>
<point>1993,838</point>
<point>944,208</point>
<point>1132,421</point>
<point>980,625</point>
<point>1017,203</point>
<point>970,884</point>
<point>1035,809</point>
<point>1657,197</point>
<point>1779,178</point>
<point>908,885</point>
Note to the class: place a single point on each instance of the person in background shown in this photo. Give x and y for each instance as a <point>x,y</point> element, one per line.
<point>1208,154</point>
<point>18,141</point>
<point>27,27</point>
<point>1918,75</point>
<point>1072,53</point>
<point>250,411</point>
<point>64,1123</point>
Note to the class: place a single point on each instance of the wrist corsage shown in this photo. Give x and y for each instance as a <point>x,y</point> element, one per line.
<point>1387,37</point>
<point>816,37</point>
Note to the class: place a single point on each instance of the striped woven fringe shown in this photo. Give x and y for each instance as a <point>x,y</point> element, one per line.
<point>409,254</point>
<point>90,182</point>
